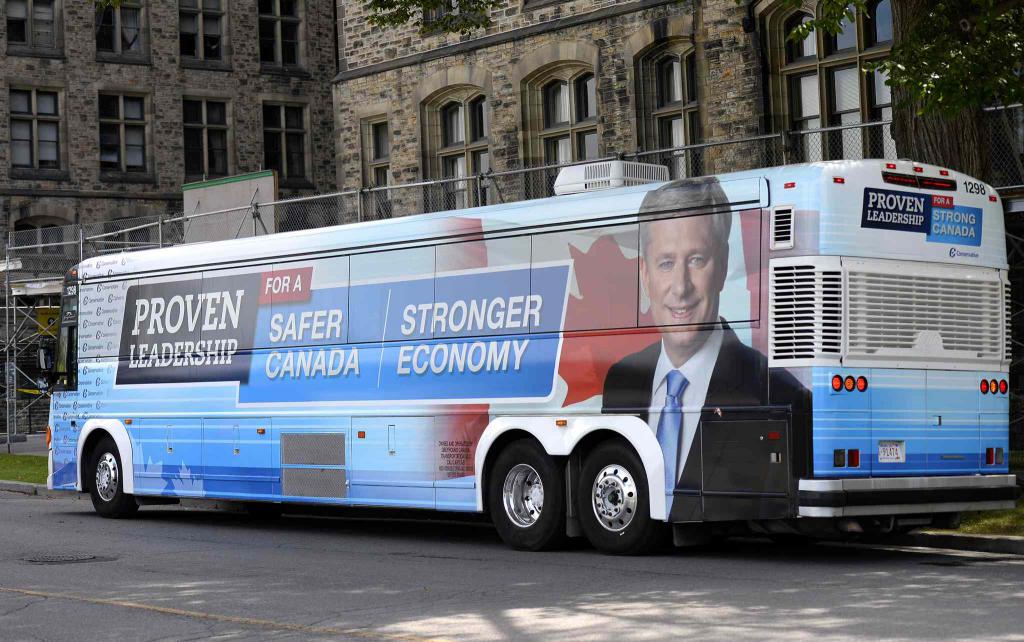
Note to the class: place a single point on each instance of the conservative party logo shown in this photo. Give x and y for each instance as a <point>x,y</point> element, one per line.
<point>935,216</point>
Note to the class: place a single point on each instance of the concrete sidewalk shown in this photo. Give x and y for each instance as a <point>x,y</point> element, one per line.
<point>34,444</point>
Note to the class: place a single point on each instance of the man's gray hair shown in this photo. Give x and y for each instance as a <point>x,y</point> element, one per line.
<point>692,194</point>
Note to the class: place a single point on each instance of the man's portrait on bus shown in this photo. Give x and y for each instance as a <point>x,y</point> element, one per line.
<point>698,360</point>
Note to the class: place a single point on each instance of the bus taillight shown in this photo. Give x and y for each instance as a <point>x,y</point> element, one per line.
<point>1003,386</point>
<point>837,383</point>
<point>49,437</point>
<point>849,383</point>
<point>990,456</point>
<point>862,383</point>
<point>984,386</point>
<point>853,458</point>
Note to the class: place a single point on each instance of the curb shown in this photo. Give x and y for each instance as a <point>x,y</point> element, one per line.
<point>24,488</point>
<point>1004,544</point>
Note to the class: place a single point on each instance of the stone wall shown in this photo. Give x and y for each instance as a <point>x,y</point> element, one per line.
<point>380,76</point>
<point>80,193</point>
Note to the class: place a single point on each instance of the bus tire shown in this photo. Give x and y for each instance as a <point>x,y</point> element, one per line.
<point>106,482</point>
<point>526,497</point>
<point>613,503</point>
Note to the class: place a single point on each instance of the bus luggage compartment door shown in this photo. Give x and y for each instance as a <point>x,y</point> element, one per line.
<point>745,464</point>
<point>393,461</point>
<point>238,456</point>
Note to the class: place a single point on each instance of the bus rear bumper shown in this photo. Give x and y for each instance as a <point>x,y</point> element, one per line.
<point>906,495</point>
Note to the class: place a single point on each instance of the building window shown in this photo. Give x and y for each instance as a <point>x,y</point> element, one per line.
<point>878,23</point>
<point>119,29</point>
<point>377,165</point>
<point>462,116</point>
<point>670,109</point>
<point>279,32</point>
<point>122,133</point>
<point>201,29</point>
<point>35,129</point>
<point>431,16</point>
<point>32,23</point>
<point>284,140</point>
<point>561,115</point>
<point>206,138</point>
<point>818,83</point>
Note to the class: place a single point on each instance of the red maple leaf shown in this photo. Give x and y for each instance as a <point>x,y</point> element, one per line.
<point>608,284</point>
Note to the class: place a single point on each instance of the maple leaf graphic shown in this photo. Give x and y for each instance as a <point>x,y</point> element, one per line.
<point>607,282</point>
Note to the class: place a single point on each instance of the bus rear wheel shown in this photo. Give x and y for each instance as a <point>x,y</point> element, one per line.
<point>106,482</point>
<point>613,502</point>
<point>526,497</point>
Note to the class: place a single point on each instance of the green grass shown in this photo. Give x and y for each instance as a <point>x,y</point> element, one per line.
<point>1004,522</point>
<point>23,468</point>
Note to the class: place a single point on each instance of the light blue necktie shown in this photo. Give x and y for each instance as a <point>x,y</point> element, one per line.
<point>670,424</point>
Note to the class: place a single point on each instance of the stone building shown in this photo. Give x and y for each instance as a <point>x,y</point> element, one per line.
<point>553,81</point>
<point>104,114</point>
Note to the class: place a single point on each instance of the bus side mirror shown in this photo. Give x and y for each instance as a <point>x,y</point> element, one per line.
<point>46,359</point>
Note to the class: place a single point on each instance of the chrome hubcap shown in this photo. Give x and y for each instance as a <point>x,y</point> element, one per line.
<point>615,497</point>
<point>523,495</point>
<point>107,477</point>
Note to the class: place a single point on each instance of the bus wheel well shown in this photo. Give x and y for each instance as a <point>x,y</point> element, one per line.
<point>90,444</point>
<point>593,440</point>
<point>492,453</point>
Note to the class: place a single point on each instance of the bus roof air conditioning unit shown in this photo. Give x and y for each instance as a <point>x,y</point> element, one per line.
<point>608,175</point>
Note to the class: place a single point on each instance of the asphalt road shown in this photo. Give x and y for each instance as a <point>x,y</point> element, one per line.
<point>174,573</point>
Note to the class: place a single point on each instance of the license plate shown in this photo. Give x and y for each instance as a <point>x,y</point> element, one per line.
<point>892,452</point>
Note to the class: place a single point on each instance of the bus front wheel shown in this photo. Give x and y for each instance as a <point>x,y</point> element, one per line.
<point>106,485</point>
<point>613,502</point>
<point>526,497</point>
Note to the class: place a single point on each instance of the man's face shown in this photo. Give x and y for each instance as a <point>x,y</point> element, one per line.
<point>683,272</point>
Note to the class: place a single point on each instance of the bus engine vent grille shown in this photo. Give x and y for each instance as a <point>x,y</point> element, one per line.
<point>782,228</point>
<point>313,449</point>
<point>314,482</point>
<point>924,317</point>
<point>1007,324</point>
<point>806,312</point>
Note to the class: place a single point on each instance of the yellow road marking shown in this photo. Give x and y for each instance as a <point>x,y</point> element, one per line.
<point>230,619</point>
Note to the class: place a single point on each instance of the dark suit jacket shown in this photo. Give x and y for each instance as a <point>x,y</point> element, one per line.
<point>739,379</point>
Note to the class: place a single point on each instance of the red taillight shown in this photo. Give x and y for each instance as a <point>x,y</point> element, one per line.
<point>993,386</point>
<point>862,383</point>
<point>1003,386</point>
<point>774,435</point>
<point>890,165</point>
<point>837,383</point>
<point>788,185</point>
<point>943,172</point>
<point>849,384</point>
<point>984,386</point>
<point>853,458</point>
<point>993,198</point>
<point>838,179</point>
<point>919,170</point>
<point>990,456</point>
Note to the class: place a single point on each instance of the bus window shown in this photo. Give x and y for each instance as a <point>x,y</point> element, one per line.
<point>693,271</point>
<point>66,364</point>
<point>389,294</point>
<point>483,288</point>
<point>603,283</point>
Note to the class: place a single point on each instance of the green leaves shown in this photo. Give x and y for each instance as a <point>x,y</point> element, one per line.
<point>948,54</point>
<point>442,16</point>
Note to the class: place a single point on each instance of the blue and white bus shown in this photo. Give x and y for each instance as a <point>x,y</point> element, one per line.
<point>818,349</point>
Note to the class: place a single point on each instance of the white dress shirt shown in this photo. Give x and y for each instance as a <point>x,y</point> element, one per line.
<point>697,371</point>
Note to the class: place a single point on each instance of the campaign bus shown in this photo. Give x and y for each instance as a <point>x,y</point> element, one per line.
<point>818,350</point>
